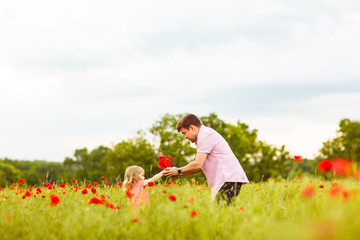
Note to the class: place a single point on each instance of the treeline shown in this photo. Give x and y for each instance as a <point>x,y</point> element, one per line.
<point>259,159</point>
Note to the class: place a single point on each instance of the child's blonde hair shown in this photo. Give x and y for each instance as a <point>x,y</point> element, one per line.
<point>132,175</point>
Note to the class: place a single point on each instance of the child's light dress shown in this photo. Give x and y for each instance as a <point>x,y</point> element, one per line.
<point>140,196</point>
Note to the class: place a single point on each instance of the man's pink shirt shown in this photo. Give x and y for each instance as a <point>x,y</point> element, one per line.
<point>221,165</point>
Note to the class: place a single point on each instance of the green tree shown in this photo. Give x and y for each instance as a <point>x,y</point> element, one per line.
<point>49,171</point>
<point>36,170</point>
<point>82,157</point>
<point>170,141</point>
<point>8,173</point>
<point>71,167</point>
<point>268,161</point>
<point>98,165</point>
<point>135,151</point>
<point>346,144</point>
<point>86,165</point>
<point>33,175</point>
<point>215,123</point>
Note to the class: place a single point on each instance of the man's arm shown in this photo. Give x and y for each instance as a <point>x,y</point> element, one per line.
<point>192,168</point>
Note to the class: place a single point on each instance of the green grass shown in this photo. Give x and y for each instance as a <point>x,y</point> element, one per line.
<point>270,211</point>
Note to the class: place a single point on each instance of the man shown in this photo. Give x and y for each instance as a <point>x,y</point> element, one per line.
<point>214,157</point>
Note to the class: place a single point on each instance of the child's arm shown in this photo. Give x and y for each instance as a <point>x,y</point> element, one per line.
<point>154,178</point>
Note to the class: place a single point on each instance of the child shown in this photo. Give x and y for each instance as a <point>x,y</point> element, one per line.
<point>134,186</point>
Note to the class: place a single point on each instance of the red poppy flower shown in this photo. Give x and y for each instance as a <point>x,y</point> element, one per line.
<point>107,182</point>
<point>151,184</point>
<point>241,209</point>
<point>172,198</point>
<point>308,192</point>
<point>111,205</point>
<point>21,181</point>
<point>357,175</point>
<point>321,186</point>
<point>193,213</point>
<point>347,195</point>
<point>103,178</point>
<point>191,200</point>
<point>95,184</point>
<point>54,200</point>
<point>84,191</point>
<point>297,158</point>
<point>39,180</point>
<point>129,194</point>
<point>73,181</point>
<point>135,220</point>
<point>62,185</point>
<point>28,193</point>
<point>13,184</point>
<point>120,184</point>
<point>93,190</point>
<point>165,162</point>
<point>325,165</point>
<point>335,191</point>
<point>342,167</point>
<point>95,200</point>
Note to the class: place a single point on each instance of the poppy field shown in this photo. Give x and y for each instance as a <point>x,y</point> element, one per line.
<point>303,208</point>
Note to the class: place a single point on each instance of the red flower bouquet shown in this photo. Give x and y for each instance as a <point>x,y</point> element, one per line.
<point>165,162</point>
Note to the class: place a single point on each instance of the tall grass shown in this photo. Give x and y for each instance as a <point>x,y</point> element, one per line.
<point>270,210</point>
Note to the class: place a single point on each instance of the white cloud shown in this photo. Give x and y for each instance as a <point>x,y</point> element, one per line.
<point>301,136</point>
<point>308,124</point>
<point>86,73</point>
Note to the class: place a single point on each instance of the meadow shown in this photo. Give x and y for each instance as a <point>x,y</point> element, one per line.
<point>303,208</point>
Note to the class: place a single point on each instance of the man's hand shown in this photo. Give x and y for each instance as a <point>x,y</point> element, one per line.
<point>171,172</point>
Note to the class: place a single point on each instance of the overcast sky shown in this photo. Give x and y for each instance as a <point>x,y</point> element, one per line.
<point>77,74</point>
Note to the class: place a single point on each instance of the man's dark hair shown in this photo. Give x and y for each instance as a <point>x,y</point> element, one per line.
<point>187,120</point>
